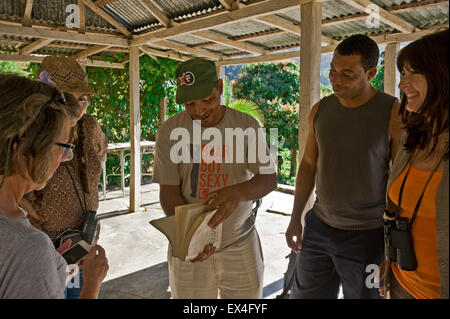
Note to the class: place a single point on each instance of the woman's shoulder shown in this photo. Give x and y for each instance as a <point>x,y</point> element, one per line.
<point>18,235</point>
<point>88,122</point>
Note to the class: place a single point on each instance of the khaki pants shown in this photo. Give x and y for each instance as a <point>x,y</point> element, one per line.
<point>234,273</point>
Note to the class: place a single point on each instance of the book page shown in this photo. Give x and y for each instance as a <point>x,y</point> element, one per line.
<point>204,236</point>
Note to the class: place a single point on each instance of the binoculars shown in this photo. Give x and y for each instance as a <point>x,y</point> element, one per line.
<point>90,227</point>
<point>398,243</point>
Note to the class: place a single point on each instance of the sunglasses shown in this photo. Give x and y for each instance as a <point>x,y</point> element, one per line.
<point>67,150</point>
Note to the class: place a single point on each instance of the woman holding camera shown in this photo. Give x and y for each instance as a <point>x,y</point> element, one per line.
<point>418,187</point>
<point>70,199</point>
<point>35,127</point>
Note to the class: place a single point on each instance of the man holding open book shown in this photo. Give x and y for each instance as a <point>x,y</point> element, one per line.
<point>216,155</point>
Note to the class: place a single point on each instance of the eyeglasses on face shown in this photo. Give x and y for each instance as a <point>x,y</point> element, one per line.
<point>67,151</point>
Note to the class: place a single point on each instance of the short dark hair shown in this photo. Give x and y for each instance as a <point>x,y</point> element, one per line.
<point>362,45</point>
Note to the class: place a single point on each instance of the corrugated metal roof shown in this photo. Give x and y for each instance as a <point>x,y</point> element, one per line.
<point>243,28</point>
<point>136,18</point>
<point>427,17</point>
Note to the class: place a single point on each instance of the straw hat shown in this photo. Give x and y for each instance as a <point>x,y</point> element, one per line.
<point>65,73</point>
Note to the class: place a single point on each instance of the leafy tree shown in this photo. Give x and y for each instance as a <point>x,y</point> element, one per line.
<point>110,104</point>
<point>13,67</point>
<point>275,89</point>
<point>378,80</point>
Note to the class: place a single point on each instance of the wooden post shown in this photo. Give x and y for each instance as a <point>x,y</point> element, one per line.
<point>310,43</point>
<point>391,76</point>
<point>220,69</point>
<point>163,109</point>
<point>82,15</point>
<point>135,132</point>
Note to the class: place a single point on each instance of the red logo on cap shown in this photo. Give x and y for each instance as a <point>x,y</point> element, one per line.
<point>187,78</point>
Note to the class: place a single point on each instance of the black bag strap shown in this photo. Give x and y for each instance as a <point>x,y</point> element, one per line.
<point>76,190</point>
<point>416,209</point>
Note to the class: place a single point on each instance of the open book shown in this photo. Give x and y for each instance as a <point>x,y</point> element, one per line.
<point>188,231</point>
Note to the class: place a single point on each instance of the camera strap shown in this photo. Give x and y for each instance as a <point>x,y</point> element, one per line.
<point>416,209</point>
<point>76,190</point>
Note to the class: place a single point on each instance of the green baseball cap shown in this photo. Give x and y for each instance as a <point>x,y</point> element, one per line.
<point>195,79</point>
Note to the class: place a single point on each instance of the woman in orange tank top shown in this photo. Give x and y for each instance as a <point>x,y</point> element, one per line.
<point>418,185</point>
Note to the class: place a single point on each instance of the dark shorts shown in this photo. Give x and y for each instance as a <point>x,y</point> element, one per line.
<point>330,257</point>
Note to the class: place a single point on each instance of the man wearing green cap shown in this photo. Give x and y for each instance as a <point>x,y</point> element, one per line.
<point>228,184</point>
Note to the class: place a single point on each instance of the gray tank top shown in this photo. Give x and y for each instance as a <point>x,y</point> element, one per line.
<point>353,163</point>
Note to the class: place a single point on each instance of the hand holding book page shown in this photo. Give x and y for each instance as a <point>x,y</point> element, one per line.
<point>188,231</point>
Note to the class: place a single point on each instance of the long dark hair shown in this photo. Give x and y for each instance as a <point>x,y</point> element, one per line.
<point>427,56</point>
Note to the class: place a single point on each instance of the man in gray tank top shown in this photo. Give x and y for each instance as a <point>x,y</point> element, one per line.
<point>352,136</point>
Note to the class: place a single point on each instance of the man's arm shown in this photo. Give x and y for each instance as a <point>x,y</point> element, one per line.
<point>170,197</point>
<point>395,129</point>
<point>304,184</point>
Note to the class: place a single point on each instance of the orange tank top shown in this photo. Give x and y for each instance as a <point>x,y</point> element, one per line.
<point>424,282</point>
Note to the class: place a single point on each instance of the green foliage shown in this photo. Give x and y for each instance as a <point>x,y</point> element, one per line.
<point>275,89</point>
<point>111,107</point>
<point>248,107</point>
<point>378,80</point>
<point>227,94</point>
<point>110,103</point>
<point>13,67</point>
<point>265,82</point>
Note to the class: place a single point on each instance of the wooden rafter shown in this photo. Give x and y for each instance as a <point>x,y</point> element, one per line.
<point>228,42</point>
<point>227,17</point>
<point>102,3</point>
<point>385,16</point>
<point>406,7</point>
<point>285,25</point>
<point>416,5</point>
<point>91,51</point>
<point>107,17</point>
<point>27,9</point>
<point>229,4</point>
<point>163,54</point>
<point>82,14</point>
<point>21,31</point>
<point>379,39</point>
<point>156,12</point>
<point>36,45</point>
<point>184,48</point>
<point>38,59</point>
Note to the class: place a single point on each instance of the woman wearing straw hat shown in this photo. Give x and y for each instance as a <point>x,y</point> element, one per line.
<point>72,193</point>
<point>35,125</point>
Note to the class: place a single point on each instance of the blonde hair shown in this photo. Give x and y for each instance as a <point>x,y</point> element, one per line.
<point>31,119</point>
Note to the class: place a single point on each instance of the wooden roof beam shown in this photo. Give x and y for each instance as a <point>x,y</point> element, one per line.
<point>82,14</point>
<point>183,48</point>
<point>27,8</point>
<point>36,45</point>
<point>285,25</point>
<point>17,30</point>
<point>102,3</point>
<point>38,59</point>
<point>385,17</point>
<point>107,17</point>
<point>406,7</point>
<point>163,54</point>
<point>251,11</point>
<point>379,39</point>
<point>231,43</point>
<point>157,13</point>
<point>91,51</point>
